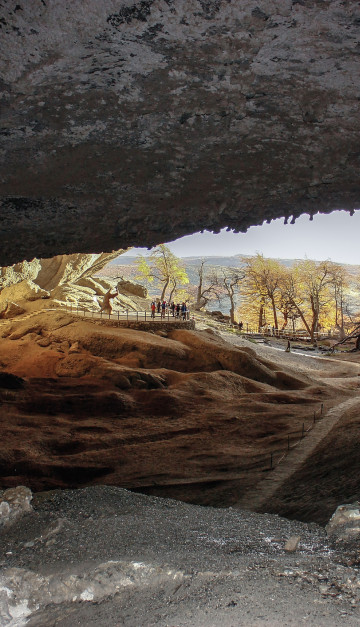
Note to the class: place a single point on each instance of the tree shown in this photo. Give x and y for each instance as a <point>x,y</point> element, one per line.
<point>262,280</point>
<point>307,290</point>
<point>163,267</point>
<point>340,283</point>
<point>229,283</point>
<point>208,286</point>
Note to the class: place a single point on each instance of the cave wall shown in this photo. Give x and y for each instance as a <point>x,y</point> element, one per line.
<point>130,123</point>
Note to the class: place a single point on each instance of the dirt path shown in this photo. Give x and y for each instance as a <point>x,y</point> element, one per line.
<point>264,491</point>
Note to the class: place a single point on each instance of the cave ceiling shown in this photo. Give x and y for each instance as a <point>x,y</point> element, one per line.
<point>130,123</point>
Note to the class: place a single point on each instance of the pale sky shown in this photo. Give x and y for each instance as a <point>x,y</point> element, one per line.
<point>332,236</point>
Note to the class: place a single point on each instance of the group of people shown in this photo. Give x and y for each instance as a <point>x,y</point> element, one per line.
<point>164,308</point>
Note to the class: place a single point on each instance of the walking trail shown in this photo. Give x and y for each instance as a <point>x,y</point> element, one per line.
<point>255,499</point>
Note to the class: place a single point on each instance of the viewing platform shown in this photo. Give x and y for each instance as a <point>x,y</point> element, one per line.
<point>140,320</point>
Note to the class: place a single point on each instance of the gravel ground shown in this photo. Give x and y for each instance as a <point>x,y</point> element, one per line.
<point>103,555</point>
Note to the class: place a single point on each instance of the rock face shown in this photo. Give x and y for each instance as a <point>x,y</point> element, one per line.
<point>57,271</point>
<point>138,122</point>
<point>64,278</point>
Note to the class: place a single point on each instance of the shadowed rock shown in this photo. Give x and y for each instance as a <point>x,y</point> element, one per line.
<point>139,122</point>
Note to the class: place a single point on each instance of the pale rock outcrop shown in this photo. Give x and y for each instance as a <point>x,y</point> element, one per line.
<point>23,591</point>
<point>14,502</point>
<point>56,271</point>
<point>344,525</point>
<point>65,279</point>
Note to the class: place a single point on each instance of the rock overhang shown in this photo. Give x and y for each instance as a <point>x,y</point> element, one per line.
<point>130,123</point>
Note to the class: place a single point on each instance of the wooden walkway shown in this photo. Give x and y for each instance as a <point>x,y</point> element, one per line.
<point>255,499</point>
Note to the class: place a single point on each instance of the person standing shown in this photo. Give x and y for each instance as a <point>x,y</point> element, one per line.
<point>183,311</point>
<point>153,309</point>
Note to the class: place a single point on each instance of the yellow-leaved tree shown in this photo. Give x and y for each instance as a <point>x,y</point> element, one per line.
<point>163,267</point>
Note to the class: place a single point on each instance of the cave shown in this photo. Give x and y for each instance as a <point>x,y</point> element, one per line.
<point>136,123</point>
<point>127,124</point>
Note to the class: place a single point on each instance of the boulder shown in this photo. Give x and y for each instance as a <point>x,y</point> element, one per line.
<point>292,544</point>
<point>132,288</point>
<point>25,290</point>
<point>10,310</point>
<point>14,503</point>
<point>344,525</point>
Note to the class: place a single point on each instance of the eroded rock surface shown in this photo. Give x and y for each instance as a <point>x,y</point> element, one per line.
<point>182,413</point>
<point>137,122</point>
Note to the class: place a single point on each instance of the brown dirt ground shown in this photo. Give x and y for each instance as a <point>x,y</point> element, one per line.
<point>190,415</point>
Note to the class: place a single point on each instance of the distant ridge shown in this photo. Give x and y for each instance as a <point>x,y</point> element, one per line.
<point>220,260</point>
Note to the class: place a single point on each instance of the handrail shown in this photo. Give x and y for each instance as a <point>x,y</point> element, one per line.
<point>128,315</point>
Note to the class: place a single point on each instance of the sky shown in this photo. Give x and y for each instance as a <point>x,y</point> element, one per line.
<point>332,236</point>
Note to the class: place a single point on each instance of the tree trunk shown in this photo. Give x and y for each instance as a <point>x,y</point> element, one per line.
<point>315,320</point>
<point>261,314</point>
<point>286,318</point>
<point>198,295</point>
<point>164,289</point>
<point>232,310</point>
<point>171,293</point>
<point>302,317</point>
<point>274,312</point>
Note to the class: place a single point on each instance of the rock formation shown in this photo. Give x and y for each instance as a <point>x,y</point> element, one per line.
<point>13,504</point>
<point>344,525</point>
<point>63,279</point>
<point>135,122</point>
